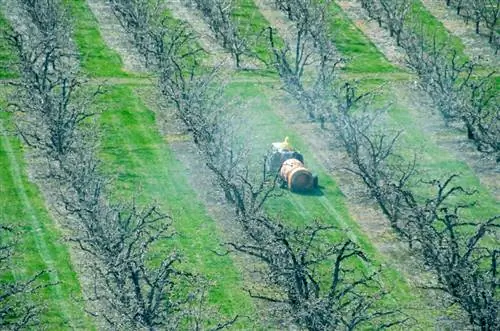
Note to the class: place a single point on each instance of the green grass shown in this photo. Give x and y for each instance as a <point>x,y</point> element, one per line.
<point>421,20</point>
<point>6,56</point>
<point>436,162</point>
<point>97,60</point>
<point>296,209</point>
<point>253,24</point>
<point>40,246</point>
<point>351,42</point>
<point>133,150</point>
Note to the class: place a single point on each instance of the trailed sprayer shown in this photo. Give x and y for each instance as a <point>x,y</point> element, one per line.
<point>290,164</point>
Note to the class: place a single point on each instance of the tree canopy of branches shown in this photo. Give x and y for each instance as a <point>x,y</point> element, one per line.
<point>454,84</point>
<point>480,11</point>
<point>453,247</point>
<point>313,49</point>
<point>292,256</point>
<point>48,114</point>
<point>53,110</point>
<point>219,16</point>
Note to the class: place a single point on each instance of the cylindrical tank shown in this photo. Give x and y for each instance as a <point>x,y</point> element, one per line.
<point>296,175</point>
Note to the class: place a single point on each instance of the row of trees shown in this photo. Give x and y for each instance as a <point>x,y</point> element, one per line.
<point>295,258</point>
<point>219,16</point>
<point>455,85</point>
<point>456,249</point>
<point>55,116</point>
<point>480,11</point>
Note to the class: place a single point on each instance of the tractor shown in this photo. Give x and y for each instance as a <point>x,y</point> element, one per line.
<point>289,163</point>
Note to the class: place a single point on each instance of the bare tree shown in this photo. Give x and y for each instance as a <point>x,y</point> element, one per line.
<point>457,250</point>
<point>395,12</point>
<point>219,16</point>
<point>50,102</point>
<point>294,258</point>
<point>490,12</point>
<point>132,287</point>
<point>454,84</point>
<point>458,91</point>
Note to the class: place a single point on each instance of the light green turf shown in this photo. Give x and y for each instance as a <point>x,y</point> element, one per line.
<point>97,60</point>
<point>253,24</point>
<point>133,150</point>
<point>438,163</point>
<point>40,246</point>
<point>421,19</point>
<point>352,43</point>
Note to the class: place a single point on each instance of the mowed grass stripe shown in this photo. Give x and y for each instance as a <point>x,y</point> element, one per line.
<point>96,59</point>
<point>434,28</point>
<point>145,167</point>
<point>252,24</point>
<point>40,246</point>
<point>295,209</point>
<point>362,55</point>
<point>436,162</point>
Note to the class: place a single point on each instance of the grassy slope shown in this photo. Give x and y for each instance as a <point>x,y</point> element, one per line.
<point>40,246</point>
<point>97,60</point>
<point>252,24</point>
<point>422,19</point>
<point>144,163</point>
<point>330,207</point>
<point>363,56</point>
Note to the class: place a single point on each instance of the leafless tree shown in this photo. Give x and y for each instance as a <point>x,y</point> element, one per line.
<point>374,10</point>
<point>134,289</point>
<point>293,61</point>
<point>453,83</point>
<point>50,102</point>
<point>348,300</point>
<point>490,12</point>
<point>456,249</point>
<point>219,16</point>
<point>479,11</point>
<point>458,91</point>
<point>395,13</point>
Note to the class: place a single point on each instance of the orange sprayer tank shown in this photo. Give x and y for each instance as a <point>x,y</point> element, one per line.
<point>296,176</point>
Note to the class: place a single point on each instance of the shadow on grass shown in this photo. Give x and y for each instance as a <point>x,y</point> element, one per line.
<point>316,192</point>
